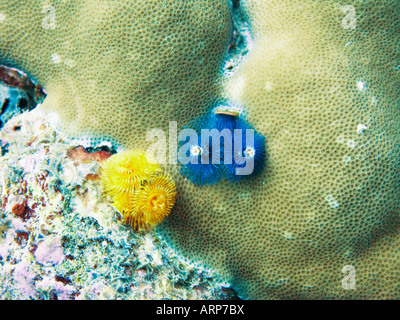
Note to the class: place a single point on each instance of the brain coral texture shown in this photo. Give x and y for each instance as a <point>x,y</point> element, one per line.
<point>322,88</point>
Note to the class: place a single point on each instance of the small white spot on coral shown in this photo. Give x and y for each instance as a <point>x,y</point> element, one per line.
<point>2,17</point>
<point>351,143</point>
<point>361,128</point>
<point>142,273</point>
<point>269,86</point>
<point>107,144</point>
<point>70,63</point>
<point>157,258</point>
<point>288,235</point>
<point>53,118</point>
<point>55,57</point>
<point>236,89</point>
<point>332,201</point>
<point>346,159</point>
<point>341,139</point>
<point>310,215</point>
<point>361,86</point>
<point>250,42</point>
<point>149,243</point>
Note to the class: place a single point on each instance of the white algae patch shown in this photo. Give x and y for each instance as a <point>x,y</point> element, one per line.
<point>60,240</point>
<point>50,252</point>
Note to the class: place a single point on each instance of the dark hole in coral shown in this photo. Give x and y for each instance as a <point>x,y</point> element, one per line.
<point>235,3</point>
<point>53,295</point>
<point>5,105</point>
<point>18,93</point>
<point>64,280</point>
<point>23,103</point>
<point>4,149</point>
<point>101,148</point>
<point>17,128</point>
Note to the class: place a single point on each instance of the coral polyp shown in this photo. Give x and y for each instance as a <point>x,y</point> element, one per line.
<point>124,172</point>
<point>152,203</point>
